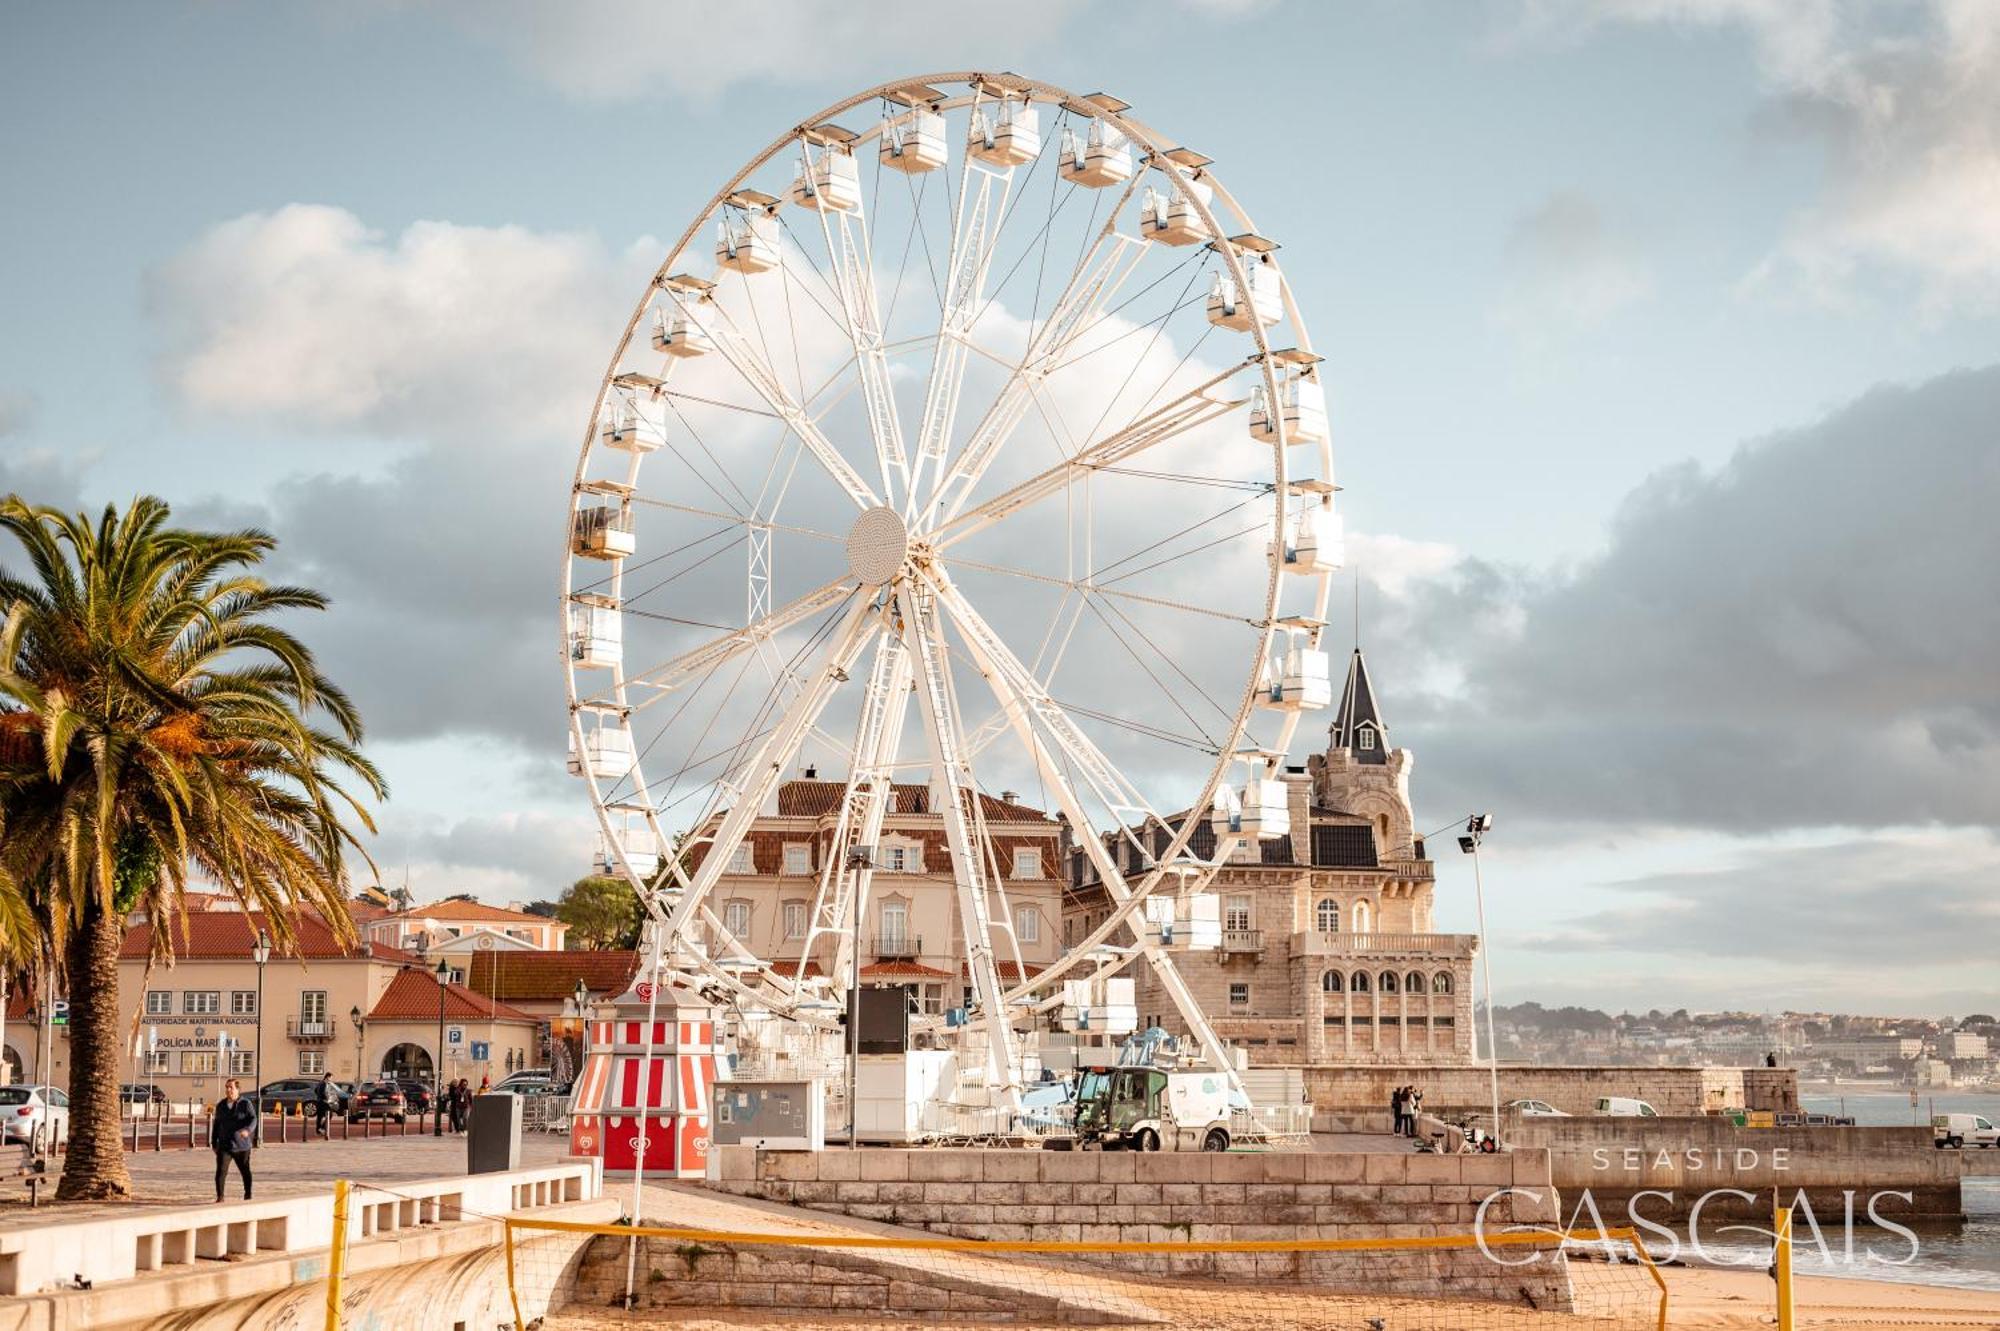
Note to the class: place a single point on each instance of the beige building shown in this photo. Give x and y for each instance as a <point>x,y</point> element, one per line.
<point>1329,951</point>
<point>456,929</point>
<point>912,935</point>
<point>360,1012</point>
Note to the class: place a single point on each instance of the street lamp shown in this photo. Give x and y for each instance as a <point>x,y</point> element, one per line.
<point>360,1033</point>
<point>260,952</point>
<point>437,1067</point>
<point>1476,827</point>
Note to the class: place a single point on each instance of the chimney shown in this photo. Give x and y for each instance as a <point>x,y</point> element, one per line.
<point>812,772</point>
<point>1010,797</point>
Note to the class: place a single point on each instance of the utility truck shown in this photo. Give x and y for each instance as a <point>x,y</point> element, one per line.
<point>1139,1108</point>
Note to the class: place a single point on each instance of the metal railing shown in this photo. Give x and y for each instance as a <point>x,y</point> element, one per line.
<point>299,1028</point>
<point>1242,940</point>
<point>896,946</point>
<point>1319,944</point>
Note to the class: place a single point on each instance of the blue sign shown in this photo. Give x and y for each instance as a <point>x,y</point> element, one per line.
<point>480,1051</point>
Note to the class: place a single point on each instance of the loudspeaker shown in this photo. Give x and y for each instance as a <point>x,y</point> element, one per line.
<point>881,1020</point>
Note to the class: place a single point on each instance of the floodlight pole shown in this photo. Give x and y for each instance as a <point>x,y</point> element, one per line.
<point>1475,828</point>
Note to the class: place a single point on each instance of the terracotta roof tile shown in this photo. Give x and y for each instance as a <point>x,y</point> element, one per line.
<point>812,799</point>
<point>230,934</point>
<point>413,995</point>
<point>550,976</point>
<point>468,910</point>
<point>903,970</point>
<point>1007,969</point>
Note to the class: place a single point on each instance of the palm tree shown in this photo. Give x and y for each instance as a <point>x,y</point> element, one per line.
<point>160,727</point>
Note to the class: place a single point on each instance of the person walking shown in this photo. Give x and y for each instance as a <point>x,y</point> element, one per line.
<point>460,1103</point>
<point>1414,1107</point>
<point>323,1098</point>
<point>1396,1109</point>
<point>232,1133</point>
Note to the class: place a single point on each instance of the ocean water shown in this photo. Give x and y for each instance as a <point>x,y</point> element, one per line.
<point>1966,1255</point>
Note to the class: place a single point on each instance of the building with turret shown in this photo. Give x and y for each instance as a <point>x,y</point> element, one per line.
<point>1329,952</point>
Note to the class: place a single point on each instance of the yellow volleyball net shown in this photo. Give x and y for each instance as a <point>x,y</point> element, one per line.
<point>565,1276</point>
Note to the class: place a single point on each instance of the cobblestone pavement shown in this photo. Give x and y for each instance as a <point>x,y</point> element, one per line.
<point>177,1178</point>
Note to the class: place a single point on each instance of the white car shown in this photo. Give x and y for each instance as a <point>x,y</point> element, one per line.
<point>1620,1106</point>
<point>1534,1109</point>
<point>1964,1130</point>
<point>33,1114</point>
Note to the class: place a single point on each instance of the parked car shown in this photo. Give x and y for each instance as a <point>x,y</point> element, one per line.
<point>33,1114</point>
<point>416,1093</point>
<point>528,1083</point>
<point>1535,1109</point>
<point>139,1093</point>
<point>1957,1130</point>
<point>284,1095</point>
<point>378,1099</point>
<point>1620,1106</point>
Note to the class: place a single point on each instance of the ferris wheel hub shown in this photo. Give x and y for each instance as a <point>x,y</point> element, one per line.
<point>877,545</point>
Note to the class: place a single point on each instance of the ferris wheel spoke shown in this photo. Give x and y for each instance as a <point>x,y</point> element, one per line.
<point>1191,410</point>
<point>757,372</point>
<point>766,767</point>
<point>710,656</point>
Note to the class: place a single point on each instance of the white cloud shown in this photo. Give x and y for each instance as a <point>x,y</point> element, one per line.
<point>1569,268</point>
<point>304,319</point>
<point>1903,100</point>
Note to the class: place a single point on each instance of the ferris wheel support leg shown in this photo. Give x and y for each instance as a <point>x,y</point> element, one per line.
<point>968,870</point>
<point>1020,697</point>
<point>767,766</point>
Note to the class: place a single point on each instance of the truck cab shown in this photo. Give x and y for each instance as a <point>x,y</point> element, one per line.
<point>1146,1109</point>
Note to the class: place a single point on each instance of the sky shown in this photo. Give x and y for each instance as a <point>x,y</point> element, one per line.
<point>1663,338</point>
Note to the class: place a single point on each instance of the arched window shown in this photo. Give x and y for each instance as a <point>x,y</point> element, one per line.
<point>1360,982</point>
<point>1413,983</point>
<point>1331,982</point>
<point>1327,915</point>
<point>1441,982</point>
<point>1361,922</point>
<point>1388,982</point>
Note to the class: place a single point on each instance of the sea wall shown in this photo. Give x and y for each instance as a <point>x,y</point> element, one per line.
<point>1679,1162</point>
<point>1122,1197</point>
<point>1349,1093</point>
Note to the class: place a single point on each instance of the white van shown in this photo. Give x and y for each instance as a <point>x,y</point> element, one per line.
<point>1964,1130</point>
<point>1619,1106</point>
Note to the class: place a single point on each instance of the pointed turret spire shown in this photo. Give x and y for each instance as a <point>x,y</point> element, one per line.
<point>1357,725</point>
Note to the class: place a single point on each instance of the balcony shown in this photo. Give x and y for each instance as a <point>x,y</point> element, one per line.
<point>1316,944</point>
<point>896,947</point>
<point>1423,871</point>
<point>1245,942</point>
<point>316,1031</point>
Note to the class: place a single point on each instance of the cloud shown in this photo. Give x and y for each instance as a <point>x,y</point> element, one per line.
<point>307,321</point>
<point>1568,268</point>
<point>1901,100</point>
<point>17,412</point>
<point>1802,637</point>
<point>522,856</point>
<point>633,50</point>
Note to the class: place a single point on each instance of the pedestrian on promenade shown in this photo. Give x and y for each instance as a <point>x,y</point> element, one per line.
<point>1414,1107</point>
<point>323,1096</point>
<point>1396,1109</point>
<point>460,1102</point>
<point>232,1133</point>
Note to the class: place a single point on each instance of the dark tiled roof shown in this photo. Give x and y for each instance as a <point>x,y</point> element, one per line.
<point>805,798</point>
<point>1358,713</point>
<point>1344,845</point>
<point>413,995</point>
<point>550,976</point>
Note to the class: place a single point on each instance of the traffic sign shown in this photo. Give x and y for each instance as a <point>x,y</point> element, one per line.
<point>454,1035</point>
<point>481,1051</point>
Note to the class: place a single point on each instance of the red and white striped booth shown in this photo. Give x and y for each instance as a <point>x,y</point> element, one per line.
<point>623,1097</point>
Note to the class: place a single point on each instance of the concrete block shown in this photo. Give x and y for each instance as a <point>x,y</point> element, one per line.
<point>1346,1167</point>
<point>880,1166</point>
<point>815,1192</point>
<point>1136,1194</point>
<point>946,1193</point>
<point>1069,1166</point>
<point>1235,1168</point>
<point>944,1166</point>
<point>1285,1166</point>
<point>1010,1166</point>
<point>1046,1194</point>
<point>965,1215</point>
<point>788,1166</point>
<point>1118,1166</point>
<point>1093,1194</point>
<point>999,1194</point>
<point>1182,1194</point>
<point>734,1164</point>
<point>1385,1168</point>
<point>905,1193</point>
<point>841,1166</point>
<point>1495,1171</point>
<point>1433,1168</point>
<point>857,1192</point>
<point>1180,1167</point>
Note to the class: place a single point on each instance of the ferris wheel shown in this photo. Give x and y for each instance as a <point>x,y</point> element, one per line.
<point>972,398</point>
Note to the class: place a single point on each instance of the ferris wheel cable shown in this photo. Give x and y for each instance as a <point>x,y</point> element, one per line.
<point>1173,665</point>
<point>923,236</point>
<point>1207,545</point>
<point>1096,575</point>
<point>1092,589</point>
<point>737,640</point>
<point>1259,488</point>
<point>1210,741</point>
<point>674,577</point>
<point>1198,744</point>
<point>685,396</point>
<point>609,578</point>
<point>1159,327</point>
<point>737,519</point>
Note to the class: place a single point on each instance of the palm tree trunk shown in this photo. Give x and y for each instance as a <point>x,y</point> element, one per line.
<point>95,1165</point>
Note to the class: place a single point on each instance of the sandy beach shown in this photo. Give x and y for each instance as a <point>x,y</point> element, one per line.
<point>1707,1298</point>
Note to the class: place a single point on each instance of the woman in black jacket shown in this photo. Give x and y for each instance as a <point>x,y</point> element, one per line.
<point>233,1132</point>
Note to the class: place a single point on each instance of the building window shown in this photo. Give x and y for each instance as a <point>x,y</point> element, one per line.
<point>312,1012</point>
<point>201,1002</point>
<point>1367,737</point>
<point>1441,982</point>
<point>456,975</point>
<point>795,919</point>
<point>736,918</point>
<point>1239,995</point>
<point>1413,983</point>
<point>159,1003</point>
<point>1359,984</point>
<point>197,1062</point>
<point>1027,924</point>
<point>243,1002</point>
<point>1332,982</point>
<point>903,859</point>
<point>155,1063</point>
<point>1236,914</point>
<point>895,925</point>
<point>740,859</point>
<point>1028,862</point>
<point>933,1000</point>
<point>242,1062</point>
<point>312,1062</point>
<point>1388,982</point>
<point>1326,915</point>
<point>798,858</point>
<point>1361,917</point>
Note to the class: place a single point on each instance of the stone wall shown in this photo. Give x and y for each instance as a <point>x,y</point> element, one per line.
<point>1343,1092</point>
<point>1685,1159</point>
<point>1125,1197</point>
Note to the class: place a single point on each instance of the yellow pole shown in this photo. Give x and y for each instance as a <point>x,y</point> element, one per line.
<point>513,1289</point>
<point>336,1261</point>
<point>1783,1259</point>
